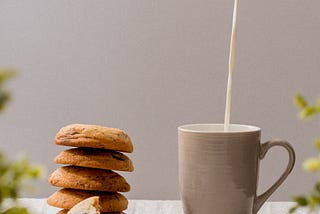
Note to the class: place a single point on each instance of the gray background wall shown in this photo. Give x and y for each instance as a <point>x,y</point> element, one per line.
<point>150,66</point>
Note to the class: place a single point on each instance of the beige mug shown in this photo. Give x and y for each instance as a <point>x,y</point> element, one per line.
<point>218,171</point>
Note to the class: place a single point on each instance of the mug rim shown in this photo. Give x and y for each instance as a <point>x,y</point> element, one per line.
<point>243,128</point>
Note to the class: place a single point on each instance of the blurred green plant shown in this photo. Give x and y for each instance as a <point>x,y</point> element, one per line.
<point>13,174</point>
<point>311,201</point>
<point>5,74</point>
<point>13,178</point>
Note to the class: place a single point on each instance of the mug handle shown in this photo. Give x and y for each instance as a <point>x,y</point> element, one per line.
<point>264,148</point>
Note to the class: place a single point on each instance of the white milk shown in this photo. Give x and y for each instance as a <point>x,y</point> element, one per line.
<point>231,66</point>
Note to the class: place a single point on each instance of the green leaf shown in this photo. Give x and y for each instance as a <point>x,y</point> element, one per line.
<point>311,164</point>
<point>300,101</point>
<point>317,143</point>
<point>313,202</point>
<point>301,200</point>
<point>16,210</point>
<point>317,188</point>
<point>293,209</point>
<point>308,112</point>
<point>6,74</point>
<point>4,98</point>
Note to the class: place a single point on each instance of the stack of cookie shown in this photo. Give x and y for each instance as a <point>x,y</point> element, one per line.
<point>89,169</point>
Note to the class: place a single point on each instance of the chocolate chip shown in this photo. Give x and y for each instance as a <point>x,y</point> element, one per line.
<point>117,156</point>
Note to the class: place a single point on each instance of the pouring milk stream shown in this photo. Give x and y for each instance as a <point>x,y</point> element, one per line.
<point>213,175</point>
<point>231,66</point>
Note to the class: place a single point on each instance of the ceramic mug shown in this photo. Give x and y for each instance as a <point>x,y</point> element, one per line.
<point>218,171</point>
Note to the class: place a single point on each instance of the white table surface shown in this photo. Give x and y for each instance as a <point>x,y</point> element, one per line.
<point>39,206</point>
